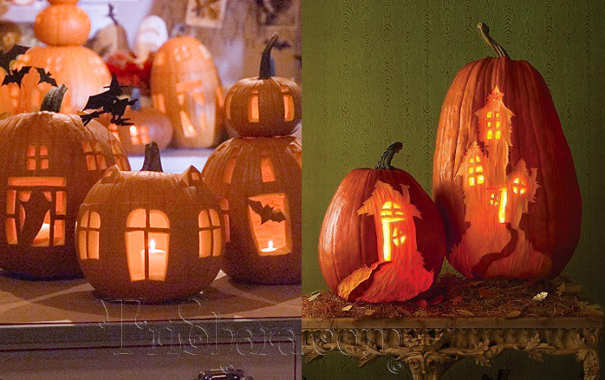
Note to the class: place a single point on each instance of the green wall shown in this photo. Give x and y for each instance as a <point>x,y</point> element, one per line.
<point>377,71</point>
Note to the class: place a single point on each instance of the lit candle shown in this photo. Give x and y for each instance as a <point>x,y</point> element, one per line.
<point>270,247</point>
<point>157,260</point>
<point>43,236</point>
<point>133,130</point>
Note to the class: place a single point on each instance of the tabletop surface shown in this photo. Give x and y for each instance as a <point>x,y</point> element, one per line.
<point>73,301</point>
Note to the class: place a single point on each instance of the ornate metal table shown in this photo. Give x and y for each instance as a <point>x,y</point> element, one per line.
<point>461,318</point>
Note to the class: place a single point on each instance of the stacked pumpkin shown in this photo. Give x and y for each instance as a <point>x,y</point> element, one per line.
<point>257,178</point>
<point>64,28</point>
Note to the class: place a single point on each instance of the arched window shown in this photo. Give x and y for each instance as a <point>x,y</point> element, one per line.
<point>147,244</point>
<point>210,235</point>
<point>95,160</point>
<point>89,227</point>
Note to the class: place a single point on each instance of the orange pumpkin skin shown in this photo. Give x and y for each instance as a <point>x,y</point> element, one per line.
<point>148,125</point>
<point>265,105</point>
<point>181,197</point>
<point>47,155</point>
<point>543,241</point>
<point>234,173</point>
<point>350,242</point>
<point>64,27</point>
<point>186,87</point>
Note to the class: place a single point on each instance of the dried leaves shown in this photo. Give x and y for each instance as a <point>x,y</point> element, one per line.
<point>456,297</point>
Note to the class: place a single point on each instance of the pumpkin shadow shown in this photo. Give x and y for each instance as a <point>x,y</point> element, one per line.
<point>26,288</point>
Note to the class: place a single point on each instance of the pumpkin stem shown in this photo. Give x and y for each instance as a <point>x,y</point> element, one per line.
<point>385,160</point>
<point>152,162</point>
<point>265,71</point>
<point>53,99</point>
<point>484,31</point>
<point>112,15</point>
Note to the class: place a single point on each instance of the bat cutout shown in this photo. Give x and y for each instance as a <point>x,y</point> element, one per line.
<point>7,57</point>
<point>108,102</point>
<point>45,77</point>
<point>266,213</point>
<point>34,211</point>
<point>15,76</point>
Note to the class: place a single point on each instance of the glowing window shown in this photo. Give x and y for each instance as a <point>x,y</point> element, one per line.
<point>479,169</point>
<point>497,115</point>
<point>498,135</point>
<point>489,124</point>
<point>268,215</point>
<point>489,115</point>
<point>187,125</point>
<point>288,104</point>
<point>390,216</point>
<point>210,235</point>
<point>147,244</point>
<point>119,156</point>
<point>498,124</point>
<point>471,170</point>
<point>253,111</point>
<point>471,181</point>
<point>480,179</point>
<point>35,211</point>
<point>139,135</point>
<point>266,167</point>
<point>477,159</point>
<point>37,157</point>
<point>89,228</point>
<point>95,160</point>
<point>490,134</point>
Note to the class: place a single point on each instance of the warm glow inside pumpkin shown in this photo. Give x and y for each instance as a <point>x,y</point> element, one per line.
<point>382,238</point>
<point>51,161</point>
<point>501,183</point>
<point>149,235</point>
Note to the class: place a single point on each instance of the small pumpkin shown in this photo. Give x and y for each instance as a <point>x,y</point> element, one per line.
<point>149,235</point>
<point>382,238</point>
<point>186,87</point>
<point>64,28</point>
<point>258,184</point>
<point>51,160</point>
<point>503,174</point>
<point>148,124</point>
<point>265,105</point>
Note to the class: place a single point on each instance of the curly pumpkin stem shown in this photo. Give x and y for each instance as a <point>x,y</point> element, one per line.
<point>53,99</point>
<point>152,162</point>
<point>265,60</point>
<point>385,160</point>
<point>484,32</point>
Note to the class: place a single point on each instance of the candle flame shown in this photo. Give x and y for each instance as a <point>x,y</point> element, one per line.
<point>133,130</point>
<point>151,245</point>
<point>270,247</point>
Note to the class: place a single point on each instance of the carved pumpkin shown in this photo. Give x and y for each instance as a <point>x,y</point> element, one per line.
<point>503,174</point>
<point>257,181</point>
<point>64,28</point>
<point>265,105</point>
<point>382,238</point>
<point>185,86</point>
<point>50,162</point>
<point>148,125</point>
<point>149,235</point>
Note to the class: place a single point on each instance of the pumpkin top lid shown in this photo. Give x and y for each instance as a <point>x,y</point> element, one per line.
<point>266,69</point>
<point>484,32</point>
<point>385,160</point>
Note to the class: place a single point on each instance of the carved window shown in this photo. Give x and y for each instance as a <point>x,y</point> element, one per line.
<point>210,235</point>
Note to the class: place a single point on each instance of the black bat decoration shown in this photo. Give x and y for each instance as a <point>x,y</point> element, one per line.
<point>266,212</point>
<point>15,76</point>
<point>34,211</point>
<point>109,102</point>
<point>87,117</point>
<point>7,57</point>
<point>45,77</point>
<point>104,99</point>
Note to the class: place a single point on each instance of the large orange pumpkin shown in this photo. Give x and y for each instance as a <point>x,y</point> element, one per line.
<point>265,105</point>
<point>185,86</point>
<point>257,181</point>
<point>64,28</point>
<point>503,175</point>
<point>50,162</point>
<point>382,238</point>
<point>149,235</point>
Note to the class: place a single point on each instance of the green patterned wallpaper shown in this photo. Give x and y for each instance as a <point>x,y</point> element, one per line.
<point>377,71</point>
